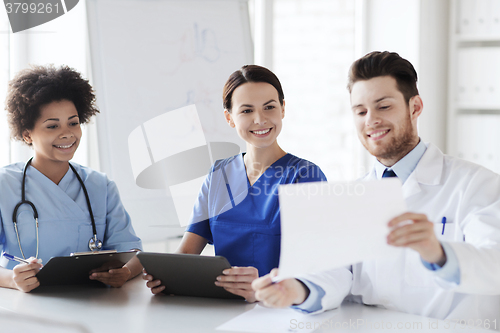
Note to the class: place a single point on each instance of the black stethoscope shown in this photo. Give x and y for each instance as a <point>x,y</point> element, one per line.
<point>94,243</point>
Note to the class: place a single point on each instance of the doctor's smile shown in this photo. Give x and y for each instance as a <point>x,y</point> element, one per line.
<point>377,135</point>
<point>64,147</point>
<point>258,113</point>
<point>262,133</point>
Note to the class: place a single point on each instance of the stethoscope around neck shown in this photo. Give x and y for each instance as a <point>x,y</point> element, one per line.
<point>94,243</point>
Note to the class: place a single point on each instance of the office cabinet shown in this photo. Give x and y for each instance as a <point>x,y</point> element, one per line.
<point>474,82</point>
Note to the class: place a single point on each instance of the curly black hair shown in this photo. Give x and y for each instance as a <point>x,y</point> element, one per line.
<point>36,86</point>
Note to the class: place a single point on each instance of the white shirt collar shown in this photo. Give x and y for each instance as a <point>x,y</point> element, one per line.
<point>405,166</point>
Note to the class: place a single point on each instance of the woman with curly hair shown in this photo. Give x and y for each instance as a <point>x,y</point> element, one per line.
<point>73,207</point>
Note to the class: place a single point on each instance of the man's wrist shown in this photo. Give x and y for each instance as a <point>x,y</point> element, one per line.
<point>303,293</point>
<point>437,260</point>
<point>442,260</point>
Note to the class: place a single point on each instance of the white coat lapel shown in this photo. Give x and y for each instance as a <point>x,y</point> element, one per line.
<point>411,186</point>
<point>370,176</point>
<point>428,171</point>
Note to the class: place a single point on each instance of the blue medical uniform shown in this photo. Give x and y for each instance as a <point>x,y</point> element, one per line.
<point>63,215</point>
<point>243,220</point>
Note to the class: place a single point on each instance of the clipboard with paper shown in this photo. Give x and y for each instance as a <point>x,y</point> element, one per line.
<point>75,269</point>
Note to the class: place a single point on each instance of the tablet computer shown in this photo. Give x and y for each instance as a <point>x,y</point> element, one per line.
<point>74,270</point>
<point>187,274</point>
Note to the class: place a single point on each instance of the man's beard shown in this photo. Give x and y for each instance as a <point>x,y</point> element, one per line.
<point>398,147</point>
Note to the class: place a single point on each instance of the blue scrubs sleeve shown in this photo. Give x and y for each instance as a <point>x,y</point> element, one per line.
<point>200,223</point>
<point>312,173</point>
<point>120,234</point>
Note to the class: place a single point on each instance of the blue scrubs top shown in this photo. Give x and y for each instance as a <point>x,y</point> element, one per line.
<point>243,221</point>
<point>63,215</point>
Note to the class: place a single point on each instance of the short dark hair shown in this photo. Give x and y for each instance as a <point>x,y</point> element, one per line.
<point>249,73</point>
<point>36,86</point>
<point>376,64</point>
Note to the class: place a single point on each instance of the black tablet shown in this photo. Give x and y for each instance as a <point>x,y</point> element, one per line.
<point>187,274</point>
<point>74,270</point>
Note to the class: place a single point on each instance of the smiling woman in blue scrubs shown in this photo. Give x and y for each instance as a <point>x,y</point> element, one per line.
<point>46,107</point>
<point>237,208</point>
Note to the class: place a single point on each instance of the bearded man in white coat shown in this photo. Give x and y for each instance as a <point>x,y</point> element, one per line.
<point>450,265</point>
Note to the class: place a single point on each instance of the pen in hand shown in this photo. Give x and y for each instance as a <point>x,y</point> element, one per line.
<point>14,258</point>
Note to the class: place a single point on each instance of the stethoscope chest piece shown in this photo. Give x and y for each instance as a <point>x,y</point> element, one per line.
<point>95,244</point>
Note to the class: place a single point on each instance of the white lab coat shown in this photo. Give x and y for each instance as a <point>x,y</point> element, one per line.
<point>468,195</point>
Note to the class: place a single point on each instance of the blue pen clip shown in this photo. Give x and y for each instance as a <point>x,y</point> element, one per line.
<point>443,221</point>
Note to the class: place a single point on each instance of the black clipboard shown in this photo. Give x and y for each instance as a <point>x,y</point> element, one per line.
<point>187,274</point>
<point>74,270</point>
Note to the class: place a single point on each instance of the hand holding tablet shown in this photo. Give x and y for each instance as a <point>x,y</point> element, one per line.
<point>187,274</point>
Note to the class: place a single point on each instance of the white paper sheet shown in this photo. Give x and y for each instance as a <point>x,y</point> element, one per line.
<point>264,320</point>
<point>330,225</point>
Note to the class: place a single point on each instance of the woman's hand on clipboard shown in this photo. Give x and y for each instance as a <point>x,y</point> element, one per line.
<point>238,281</point>
<point>115,277</point>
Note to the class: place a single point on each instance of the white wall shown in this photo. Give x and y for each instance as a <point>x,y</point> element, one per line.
<point>59,42</point>
<point>433,70</point>
<point>4,74</point>
<point>418,31</point>
<point>313,49</point>
<point>393,25</point>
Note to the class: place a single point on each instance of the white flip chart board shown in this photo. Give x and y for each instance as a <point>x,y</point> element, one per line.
<point>150,57</point>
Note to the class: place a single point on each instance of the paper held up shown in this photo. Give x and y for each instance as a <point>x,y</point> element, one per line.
<point>331,225</point>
